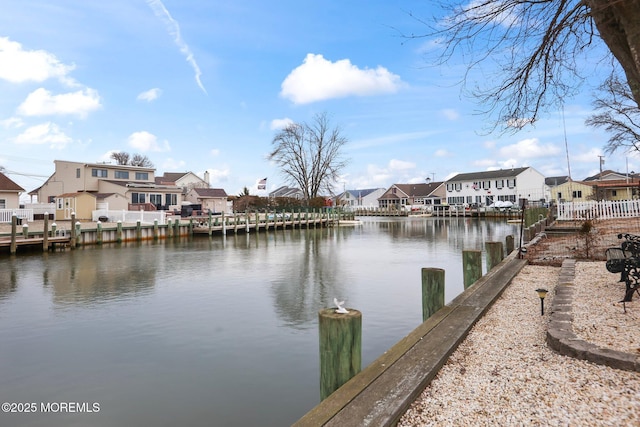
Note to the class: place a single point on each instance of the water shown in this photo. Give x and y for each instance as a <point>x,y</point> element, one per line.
<point>210,332</point>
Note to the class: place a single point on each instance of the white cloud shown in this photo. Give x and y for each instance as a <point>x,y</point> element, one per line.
<point>319,79</point>
<point>589,156</point>
<point>18,65</point>
<point>400,165</point>
<point>450,114</point>
<point>144,141</point>
<point>442,153</point>
<point>171,164</point>
<point>219,175</point>
<point>150,95</point>
<point>529,149</point>
<point>174,30</point>
<point>12,123</point>
<point>45,133</point>
<point>41,103</point>
<point>215,152</point>
<point>280,123</point>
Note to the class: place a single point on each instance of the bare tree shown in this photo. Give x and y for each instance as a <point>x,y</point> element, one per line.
<point>120,157</point>
<point>618,114</point>
<point>310,155</point>
<point>536,46</point>
<point>140,160</point>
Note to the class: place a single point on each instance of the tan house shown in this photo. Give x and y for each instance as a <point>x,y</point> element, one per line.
<point>621,189</point>
<point>9,193</point>
<point>572,191</point>
<point>185,180</point>
<point>211,199</point>
<point>119,186</point>
<point>398,195</point>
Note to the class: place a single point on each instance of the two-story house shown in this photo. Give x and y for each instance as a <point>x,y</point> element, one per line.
<point>113,187</point>
<point>504,185</point>
<point>352,198</point>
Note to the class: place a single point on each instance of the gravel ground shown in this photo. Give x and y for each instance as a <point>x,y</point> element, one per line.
<point>504,374</point>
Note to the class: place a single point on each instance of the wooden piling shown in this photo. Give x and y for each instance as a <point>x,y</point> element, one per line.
<point>509,242</point>
<point>169,229</point>
<point>138,231</point>
<point>72,240</point>
<point>119,231</point>
<point>340,348</point>
<point>78,233</point>
<point>99,233</point>
<point>471,266</point>
<point>45,232</point>
<point>432,291</point>
<point>495,254</point>
<point>13,247</point>
<point>25,231</point>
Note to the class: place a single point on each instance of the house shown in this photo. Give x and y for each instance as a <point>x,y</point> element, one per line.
<point>82,204</point>
<point>399,195</point>
<point>504,185</point>
<point>365,197</point>
<point>616,189</point>
<point>184,180</point>
<point>285,191</point>
<point>116,187</point>
<point>572,191</point>
<point>607,175</point>
<point>9,193</point>
<point>211,199</point>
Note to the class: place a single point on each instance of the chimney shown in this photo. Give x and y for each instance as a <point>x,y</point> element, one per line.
<point>206,178</point>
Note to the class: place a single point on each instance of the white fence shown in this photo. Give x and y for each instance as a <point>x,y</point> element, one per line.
<point>145,217</point>
<point>605,209</point>
<point>41,208</point>
<point>7,214</point>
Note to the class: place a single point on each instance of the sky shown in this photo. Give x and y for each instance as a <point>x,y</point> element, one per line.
<point>201,86</point>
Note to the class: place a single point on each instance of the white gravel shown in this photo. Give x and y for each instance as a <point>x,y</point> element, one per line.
<point>504,374</point>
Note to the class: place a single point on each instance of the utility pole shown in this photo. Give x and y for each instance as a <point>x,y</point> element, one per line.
<point>601,163</point>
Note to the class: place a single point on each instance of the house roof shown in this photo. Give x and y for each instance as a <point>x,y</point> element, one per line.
<point>6,184</point>
<point>210,192</point>
<point>170,177</point>
<point>606,175</point>
<point>499,173</point>
<point>362,193</point>
<point>143,184</point>
<point>419,190</point>
<point>78,193</point>
<point>552,181</point>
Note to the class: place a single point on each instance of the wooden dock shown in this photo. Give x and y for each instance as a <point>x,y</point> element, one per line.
<point>37,242</point>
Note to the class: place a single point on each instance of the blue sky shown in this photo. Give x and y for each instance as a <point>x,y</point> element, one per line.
<point>204,85</point>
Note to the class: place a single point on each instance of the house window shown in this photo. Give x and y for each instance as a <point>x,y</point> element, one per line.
<point>142,176</point>
<point>155,199</point>
<point>3,204</point>
<point>52,199</point>
<point>469,199</point>
<point>138,198</point>
<point>486,185</point>
<point>559,196</point>
<point>458,186</point>
<point>577,194</point>
<point>171,199</point>
<point>614,193</point>
<point>511,183</point>
<point>499,183</point>
<point>78,173</point>
<point>449,187</point>
<point>59,204</point>
<point>121,174</point>
<point>99,173</point>
<point>455,200</point>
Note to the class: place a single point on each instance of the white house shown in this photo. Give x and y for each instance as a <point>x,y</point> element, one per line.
<point>365,197</point>
<point>485,188</point>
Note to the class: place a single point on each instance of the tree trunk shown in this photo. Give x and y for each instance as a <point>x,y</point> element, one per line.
<point>618,23</point>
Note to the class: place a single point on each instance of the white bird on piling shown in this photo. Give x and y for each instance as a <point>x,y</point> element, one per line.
<point>340,304</point>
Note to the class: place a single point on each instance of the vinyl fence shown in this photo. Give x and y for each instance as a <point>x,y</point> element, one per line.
<point>605,209</point>
<point>145,217</point>
<point>7,214</point>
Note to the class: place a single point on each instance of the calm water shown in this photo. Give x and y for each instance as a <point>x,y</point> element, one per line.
<point>219,331</point>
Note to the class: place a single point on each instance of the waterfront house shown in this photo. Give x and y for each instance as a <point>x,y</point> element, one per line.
<point>185,180</point>
<point>211,199</point>
<point>9,193</point>
<point>488,187</point>
<point>424,194</point>
<point>572,191</point>
<point>122,187</point>
<point>359,198</point>
<point>611,185</point>
<point>284,191</point>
